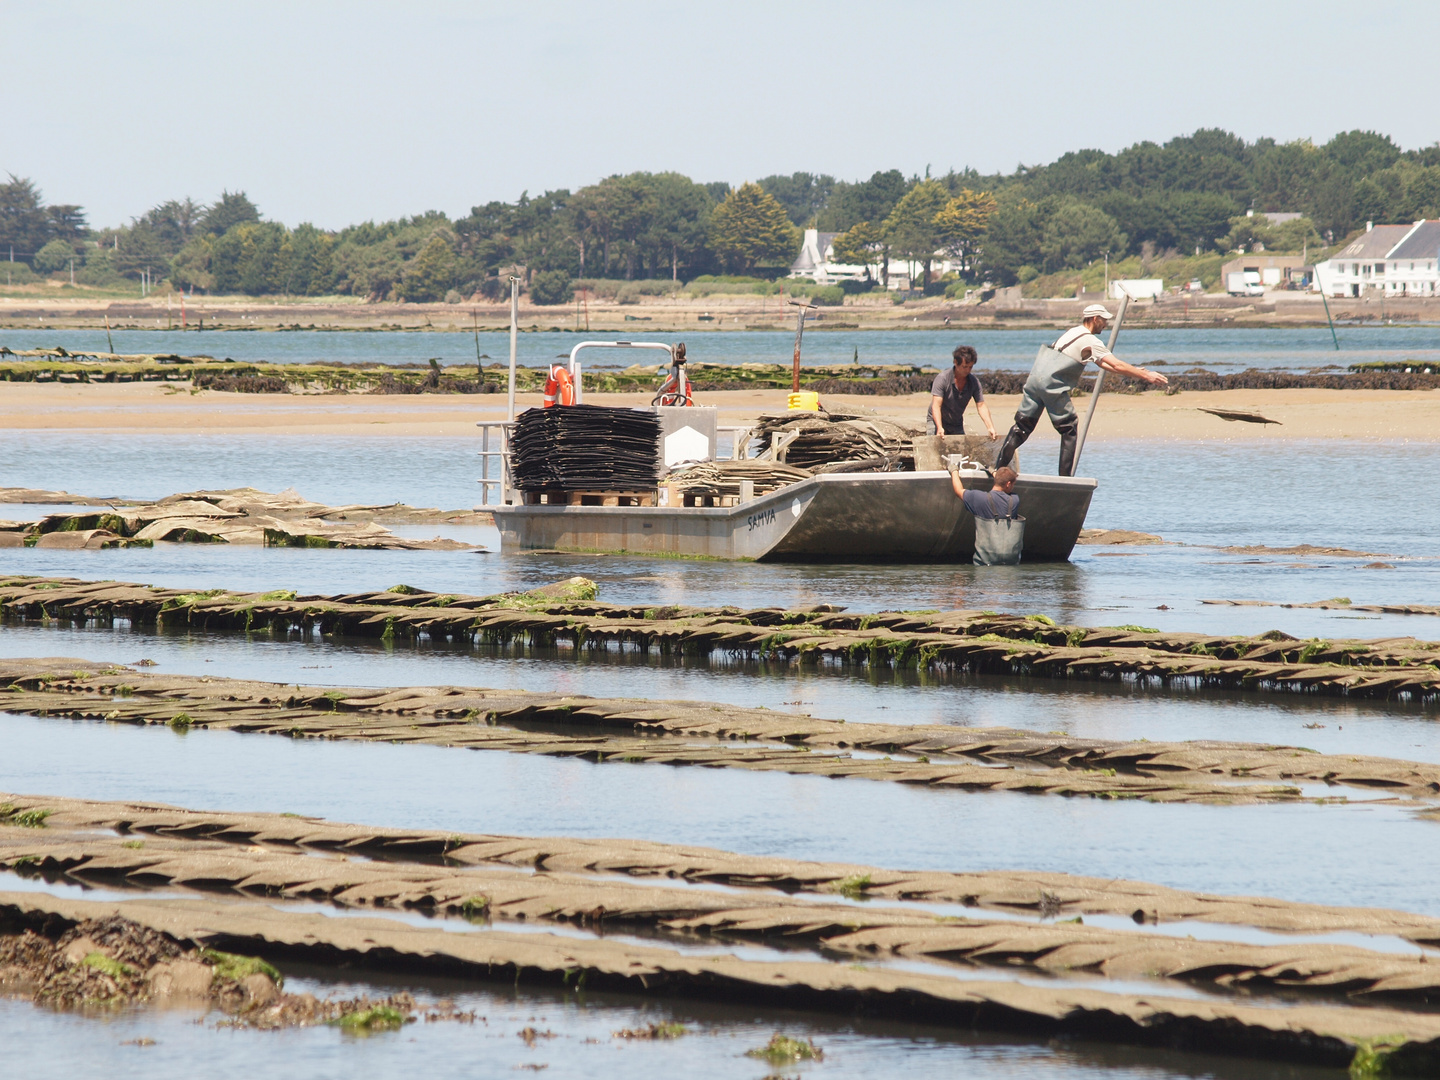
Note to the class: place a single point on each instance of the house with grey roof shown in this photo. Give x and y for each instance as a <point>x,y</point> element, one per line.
<point>1386,260</point>
<point>817,260</point>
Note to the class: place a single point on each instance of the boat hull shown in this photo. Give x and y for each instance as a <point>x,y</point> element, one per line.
<point>836,517</point>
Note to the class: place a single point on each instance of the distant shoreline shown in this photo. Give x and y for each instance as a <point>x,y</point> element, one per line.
<point>713,314</point>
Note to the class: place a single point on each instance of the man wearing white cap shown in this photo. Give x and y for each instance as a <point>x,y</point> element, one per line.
<point>1056,373</point>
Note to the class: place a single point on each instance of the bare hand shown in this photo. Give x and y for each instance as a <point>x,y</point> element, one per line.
<point>1154,378</point>
<point>993,436</point>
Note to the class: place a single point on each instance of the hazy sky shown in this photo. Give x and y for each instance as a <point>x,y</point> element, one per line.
<point>338,112</point>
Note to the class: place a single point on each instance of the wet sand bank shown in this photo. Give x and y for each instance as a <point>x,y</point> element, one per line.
<point>172,409</point>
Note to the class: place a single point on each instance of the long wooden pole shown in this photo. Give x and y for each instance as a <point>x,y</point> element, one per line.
<point>799,333</point>
<point>1099,381</point>
<point>514,325</point>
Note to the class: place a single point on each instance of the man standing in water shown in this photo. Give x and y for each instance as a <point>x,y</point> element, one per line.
<point>1056,373</point>
<point>953,390</point>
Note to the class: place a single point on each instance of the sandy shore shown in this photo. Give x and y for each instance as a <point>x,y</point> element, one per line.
<point>168,409</point>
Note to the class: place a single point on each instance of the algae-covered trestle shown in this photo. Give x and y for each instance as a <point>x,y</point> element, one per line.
<point>241,891</point>
<point>680,733</point>
<point>568,613</point>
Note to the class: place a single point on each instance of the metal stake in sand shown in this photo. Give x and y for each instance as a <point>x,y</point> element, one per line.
<point>1328,319</point>
<point>514,321</point>
<point>1099,379</point>
<point>804,306</point>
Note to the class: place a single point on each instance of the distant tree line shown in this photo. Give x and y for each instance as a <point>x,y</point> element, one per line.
<point>1189,195</point>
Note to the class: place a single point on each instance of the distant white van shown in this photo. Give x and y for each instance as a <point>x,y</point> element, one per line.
<point>1244,283</point>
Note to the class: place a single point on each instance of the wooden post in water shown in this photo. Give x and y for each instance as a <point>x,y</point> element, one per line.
<point>108,337</point>
<point>479,367</point>
<point>799,333</point>
<point>514,324</point>
<point>1099,380</point>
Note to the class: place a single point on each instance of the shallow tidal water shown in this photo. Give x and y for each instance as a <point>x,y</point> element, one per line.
<point>1295,851</point>
<point>1224,351</point>
<point>43,1043</point>
<point>1248,489</point>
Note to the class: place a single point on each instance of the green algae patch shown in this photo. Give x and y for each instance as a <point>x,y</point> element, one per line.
<point>476,908</point>
<point>236,967</point>
<point>25,819</point>
<point>854,887</point>
<point>278,594</point>
<point>105,965</point>
<point>670,1030</point>
<point>181,722</point>
<point>373,1020</point>
<point>573,590</point>
<point>1372,1056</point>
<point>783,1050</point>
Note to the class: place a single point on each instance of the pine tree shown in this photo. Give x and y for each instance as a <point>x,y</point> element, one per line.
<point>750,228</point>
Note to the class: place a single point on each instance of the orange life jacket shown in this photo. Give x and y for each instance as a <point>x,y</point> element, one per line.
<point>559,389</point>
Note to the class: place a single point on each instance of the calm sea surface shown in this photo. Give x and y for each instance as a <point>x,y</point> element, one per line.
<point>1216,350</point>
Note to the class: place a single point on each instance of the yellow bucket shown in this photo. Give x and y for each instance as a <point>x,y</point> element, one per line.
<point>804,401</point>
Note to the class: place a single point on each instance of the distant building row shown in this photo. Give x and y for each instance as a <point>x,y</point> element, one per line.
<point>1392,260</point>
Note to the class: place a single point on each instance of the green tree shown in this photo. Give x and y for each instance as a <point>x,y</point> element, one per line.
<point>1076,233</point>
<point>869,200</point>
<point>22,219</point>
<point>802,194</point>
<point>679,222</point>
<point>139,251</point>
<point>751,229</point>
<point>1012,238</point>
<point>551,287</point>
<point>53,257</point>
<point>233,208</point>
<point>190,268</point>
<point>961,224</point>
<point>858,245</point>
<point>431,274</point>
<point>913,229</point>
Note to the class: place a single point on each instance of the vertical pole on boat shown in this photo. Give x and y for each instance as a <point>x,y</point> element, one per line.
<point>514,323</point>
<point>1099,379</point>
<point>799,333</point>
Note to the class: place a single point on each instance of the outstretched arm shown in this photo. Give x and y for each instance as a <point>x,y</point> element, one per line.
<point>1113,363</point>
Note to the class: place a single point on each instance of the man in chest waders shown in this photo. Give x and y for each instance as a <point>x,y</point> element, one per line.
<point>1056,373</point>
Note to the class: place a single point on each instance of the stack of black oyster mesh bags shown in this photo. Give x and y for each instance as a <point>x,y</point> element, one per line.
<point>585,448</point>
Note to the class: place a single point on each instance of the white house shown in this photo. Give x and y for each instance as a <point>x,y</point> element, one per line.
<point>1388,260</point>
<point>817,262</point>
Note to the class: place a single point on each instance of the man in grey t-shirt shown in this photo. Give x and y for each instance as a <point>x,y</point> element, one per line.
<point>953,390</point>
<point>1056,373</point>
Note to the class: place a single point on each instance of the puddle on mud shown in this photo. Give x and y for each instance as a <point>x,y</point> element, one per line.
<point>1295,851</point>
